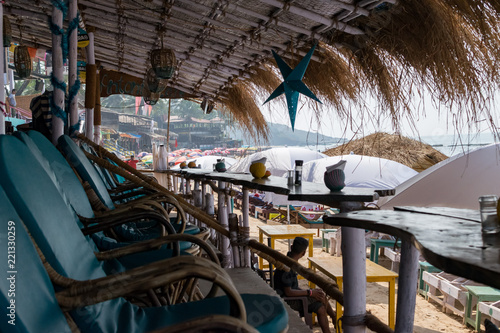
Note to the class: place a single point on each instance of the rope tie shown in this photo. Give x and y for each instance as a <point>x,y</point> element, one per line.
<point>359,320</point>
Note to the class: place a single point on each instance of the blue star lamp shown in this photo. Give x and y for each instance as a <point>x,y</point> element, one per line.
<point>292,84</point>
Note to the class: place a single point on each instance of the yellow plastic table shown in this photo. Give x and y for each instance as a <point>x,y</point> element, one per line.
<point>287,231</point>
<point>332,267</point>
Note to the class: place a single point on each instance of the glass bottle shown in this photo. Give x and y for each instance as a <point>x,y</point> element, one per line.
<point>298,172</point>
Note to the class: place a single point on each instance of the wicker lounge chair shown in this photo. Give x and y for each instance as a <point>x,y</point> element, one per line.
<point>51,223</point>
<point>34,306</point>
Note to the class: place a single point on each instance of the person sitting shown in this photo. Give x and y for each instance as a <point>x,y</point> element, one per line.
<point>287,284</point>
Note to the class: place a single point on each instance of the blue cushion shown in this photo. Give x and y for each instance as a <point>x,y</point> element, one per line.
<point>68,181</point>
<point>80,162</point>
<point>34,304</point>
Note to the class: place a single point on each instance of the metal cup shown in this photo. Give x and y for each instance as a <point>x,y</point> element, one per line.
<point>290,179</point>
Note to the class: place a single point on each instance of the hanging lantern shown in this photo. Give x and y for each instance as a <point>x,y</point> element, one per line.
<point>22,61</point>
<point>152,82</point>
<point>163,62</point>
<point>152,98</point>
<point>207,106</point>
<point>7,32</point>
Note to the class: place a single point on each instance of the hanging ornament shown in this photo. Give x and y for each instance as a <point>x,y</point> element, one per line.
<point>163,62</point>
<point>292,84</point>
<point>7,32</point>
<point>83,38</point>
<point>22,61</point>
<point>82,70</point>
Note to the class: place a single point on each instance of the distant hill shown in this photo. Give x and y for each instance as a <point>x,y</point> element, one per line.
<point>281,135</point>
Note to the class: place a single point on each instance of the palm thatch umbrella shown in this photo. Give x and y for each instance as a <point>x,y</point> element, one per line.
<point>415,154</point>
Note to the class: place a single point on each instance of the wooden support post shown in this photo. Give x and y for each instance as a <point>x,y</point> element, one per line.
<point>90,86</point>
<point>210,208</point>
<point>57,71</point>
<point>233,233</point>
<point>2,83</point>
<point>354,266</point>
<point>203,196</point>
<point>175,181</point>
<point>246,227</point>
<point>72,70</point>
<point>97,110</point>
<point>407,287</point>
<point>223,220</point>
<point>228,201</point>
<point>197,201</point>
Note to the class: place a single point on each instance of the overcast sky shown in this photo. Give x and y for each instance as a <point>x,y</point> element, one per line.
<point>432,123</point>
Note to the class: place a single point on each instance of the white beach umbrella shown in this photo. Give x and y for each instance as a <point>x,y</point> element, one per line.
<point>361,171</point>
<point>279,160</point>
<point>456,182</point>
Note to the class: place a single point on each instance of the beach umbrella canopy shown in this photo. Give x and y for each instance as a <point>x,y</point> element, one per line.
<point>457,182</point>
<point>361,171</point>
<point>279,160</point>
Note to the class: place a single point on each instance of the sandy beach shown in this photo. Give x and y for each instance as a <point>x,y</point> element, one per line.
<point>428,315</point>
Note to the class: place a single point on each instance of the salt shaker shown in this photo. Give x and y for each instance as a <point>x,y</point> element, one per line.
<point>489,218</point>
<point>298,172</point>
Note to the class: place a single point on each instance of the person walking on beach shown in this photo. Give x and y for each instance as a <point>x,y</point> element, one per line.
<point>287,284</point>
<point>12,102</point>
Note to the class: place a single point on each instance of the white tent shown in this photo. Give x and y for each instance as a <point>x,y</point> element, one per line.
<point>207,162</point>
<point>279,160</point>
<point>361,171</point>
<point>456,182</point>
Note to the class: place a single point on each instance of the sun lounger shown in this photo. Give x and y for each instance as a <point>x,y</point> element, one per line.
<point>32,305</point>
<point>52,225</point>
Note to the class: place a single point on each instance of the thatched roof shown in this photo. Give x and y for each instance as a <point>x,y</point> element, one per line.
<point>415,154</point>
<point>389,49</point>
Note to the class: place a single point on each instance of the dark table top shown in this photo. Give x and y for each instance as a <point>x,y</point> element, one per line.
<point>449,239</point>
<point>308,191</point>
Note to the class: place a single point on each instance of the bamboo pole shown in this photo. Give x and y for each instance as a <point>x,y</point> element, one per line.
<point>168,129</point>
<point>97,110</point>
<point>90,86</point>
<point>72,61</point>
<point>58,94</point>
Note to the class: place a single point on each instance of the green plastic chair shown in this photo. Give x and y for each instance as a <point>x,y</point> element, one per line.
<point>54,227</point>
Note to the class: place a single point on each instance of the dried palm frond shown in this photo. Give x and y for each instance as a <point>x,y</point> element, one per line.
<point>410,152</point>
<point>240,102</point>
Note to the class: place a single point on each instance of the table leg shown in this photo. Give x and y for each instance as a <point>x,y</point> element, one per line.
<point>354,267</point>
<point>338,306</point>
<point>407,288</point>
<point>392,303</point>
<point>246,226</point>
<point>311,249</point>
<point>261,240</point>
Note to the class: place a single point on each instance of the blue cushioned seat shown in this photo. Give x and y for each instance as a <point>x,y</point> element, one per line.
<point>82,165</point>
<point>70,188</point>
<point>53,226</point>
